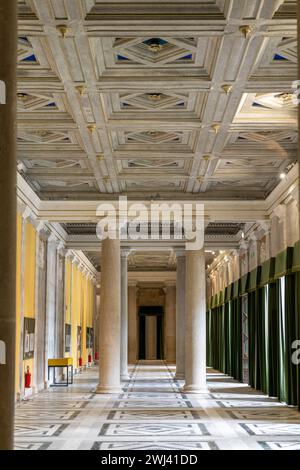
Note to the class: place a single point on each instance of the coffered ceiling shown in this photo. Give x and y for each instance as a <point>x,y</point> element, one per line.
<point>169,99</point>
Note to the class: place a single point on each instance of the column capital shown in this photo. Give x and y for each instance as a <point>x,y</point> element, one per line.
<point>265,225</point>
<point>279,211</point>
<point>180,252</point>
<point>27,213</point>
<point>170,283</point>
<point>53,239</point>
<point>125,252</point>
<point>61,249</point>
<point>69,255</point>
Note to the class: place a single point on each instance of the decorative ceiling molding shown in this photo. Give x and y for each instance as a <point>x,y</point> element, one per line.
<point>189,99</point>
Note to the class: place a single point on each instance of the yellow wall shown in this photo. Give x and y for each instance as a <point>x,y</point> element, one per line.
<point>79,299</point>
<point>68,283</point>
<point>18,298</point>
<point>79,309</point>
<point>29,284</point>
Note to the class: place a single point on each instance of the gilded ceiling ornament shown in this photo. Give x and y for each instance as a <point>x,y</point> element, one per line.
<point>246,30</point>
<point>153,133</point>
<point>154,45</point>
<point>91,128</point>
<point>285,98</point>
<point>227,88</point>
<point>81,89</point>
<point>100,158</point>
<point>155,96</point>
<point>41,133</point>
<point>63,29</point>
<point>22,96</point>
<point>216,127</point>
<point>206,157</point>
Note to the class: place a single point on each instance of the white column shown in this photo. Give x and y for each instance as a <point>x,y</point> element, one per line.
<point>40,371</point>
<point>50,301</point>
<point>151,337</point>
<point>60,302</point>
<point>132,324</point>
<point>180,314</point>
<point>195,323</point>
<point>25,217</point>
<point>124,315</point>
<point>110,318</point>
<point>170,323</point>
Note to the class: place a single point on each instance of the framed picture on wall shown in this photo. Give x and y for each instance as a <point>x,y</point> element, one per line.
<point>29,338</point>
<point>67,337</point>
<point>89,337</point>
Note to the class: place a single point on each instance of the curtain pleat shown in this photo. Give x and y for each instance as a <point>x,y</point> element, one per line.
<point>290,336</point>
<point>273,349</point>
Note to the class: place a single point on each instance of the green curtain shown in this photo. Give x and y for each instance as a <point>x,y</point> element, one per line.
<point>252,338</point>
<point>228,342</point>
<point>282,341</point>
<point>273,326</point>
<point>262,379</point>
<point>216,338</point>
<point>273,347</point>
<point>291,334</point>
<point>297,310</point>
<point>208,338</point>
<point>236,337</point>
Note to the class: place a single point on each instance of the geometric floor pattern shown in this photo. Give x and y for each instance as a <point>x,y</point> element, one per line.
<point>153,414</point>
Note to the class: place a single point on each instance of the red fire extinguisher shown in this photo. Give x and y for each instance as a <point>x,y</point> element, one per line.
<point>89,358</point>
<point>27,378</point>
<point>80,362</point>
<point>96,356</point>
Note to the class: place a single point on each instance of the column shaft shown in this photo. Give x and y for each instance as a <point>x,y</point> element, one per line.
<point>50,303</point>
<point>110,318</point>
<point>40,303</point>
<point>132,325</point>
<point>180,317</point>
<point>170,324</point>
<point>151,337</point>
<point>124,317</point>
<point>195,323</point>
<point>8,49</point>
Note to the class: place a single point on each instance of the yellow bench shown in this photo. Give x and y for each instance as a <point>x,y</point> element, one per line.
<point>61,362</point>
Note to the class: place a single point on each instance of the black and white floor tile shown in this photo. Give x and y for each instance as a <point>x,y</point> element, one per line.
<point>152,413</point>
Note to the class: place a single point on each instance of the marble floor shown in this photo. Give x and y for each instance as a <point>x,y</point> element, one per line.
<point>153,414</point>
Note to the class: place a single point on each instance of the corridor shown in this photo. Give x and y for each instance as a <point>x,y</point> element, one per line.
<point>153,414</point>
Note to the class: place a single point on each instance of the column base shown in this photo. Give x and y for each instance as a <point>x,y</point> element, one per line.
<point>195,389</point>
<point>106,389</point>
<point>125,377</point>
